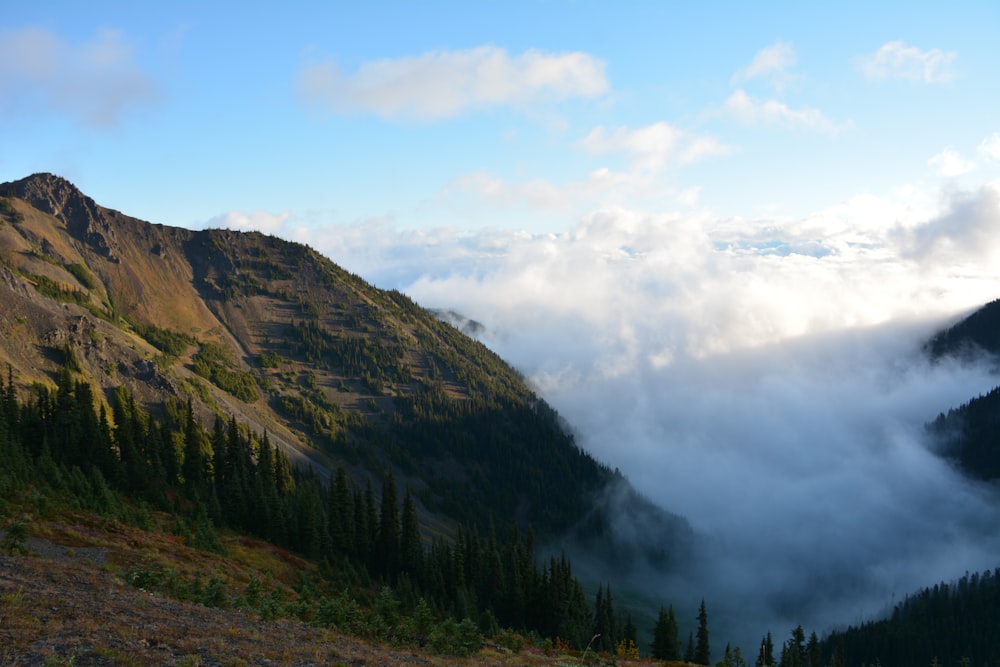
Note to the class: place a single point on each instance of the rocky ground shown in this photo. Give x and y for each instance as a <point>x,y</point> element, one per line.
<point>64,601</point>
<point>66,609</point>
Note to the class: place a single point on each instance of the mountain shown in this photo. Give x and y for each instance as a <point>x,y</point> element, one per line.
<point>970,433</point>
<point>980,332</point>
<point>271,334</point>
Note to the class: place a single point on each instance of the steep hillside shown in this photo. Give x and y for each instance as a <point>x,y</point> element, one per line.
<point>979,331</point>
<point>970,434</point>
<point>273,334</point>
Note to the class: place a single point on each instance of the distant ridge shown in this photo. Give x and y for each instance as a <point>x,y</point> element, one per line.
<point>980,330</point>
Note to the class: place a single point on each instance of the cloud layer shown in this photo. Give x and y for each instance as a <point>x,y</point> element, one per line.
<point>94,83</point>
<point>441,84</point>
<point>762,379</point>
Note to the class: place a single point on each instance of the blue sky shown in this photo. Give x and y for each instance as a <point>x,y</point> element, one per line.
<point>661,212</point>
<point>179,113</point>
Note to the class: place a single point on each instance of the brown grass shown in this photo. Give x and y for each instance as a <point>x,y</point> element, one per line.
<point>58,606</point>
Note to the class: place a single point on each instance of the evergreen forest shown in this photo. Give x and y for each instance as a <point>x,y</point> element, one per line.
<point>62,445</point>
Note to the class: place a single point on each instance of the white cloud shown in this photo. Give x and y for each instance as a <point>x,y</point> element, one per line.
<point>701,148</point>
<point>651,146</point>
<point>255,221</point>
<point>771,62</point>
<point>94,82</point>
<point>442,84</point>
<point>772,361</point>
<point>966,234</point>
<point>990,146</point>
<point>896,60</point>
<point>752,111</point>
<point>537,193</point>
<point>950,164</point>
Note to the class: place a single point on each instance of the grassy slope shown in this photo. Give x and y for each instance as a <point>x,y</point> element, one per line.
<point>68,600</point>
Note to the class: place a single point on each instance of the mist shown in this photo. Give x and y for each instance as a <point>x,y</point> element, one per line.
<point>805,473</point>
<point>762,379</point>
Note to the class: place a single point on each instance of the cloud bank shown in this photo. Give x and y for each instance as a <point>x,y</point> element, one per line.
<point>94,83</point>
<point>442,84</point>
<point>760,378</point>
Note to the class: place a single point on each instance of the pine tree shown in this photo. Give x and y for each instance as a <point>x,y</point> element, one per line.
<point>666,641</point>
<point>387,538</point>
<point>629,632</point>
<point>702,650</point>
<point>193,467</point>
<point>765,658</point>
<point>411,549</point>
<point>340,512</point>
<point>794,650</point>
<point>814,653</point>
<point>605,626</point>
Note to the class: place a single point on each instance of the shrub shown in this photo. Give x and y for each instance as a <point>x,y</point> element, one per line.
<point>510,640</point>
<point>15,535</point>
<point>215,594</point>
<point>83,274</point>
<point>269,359</point>
<point>459,639</point>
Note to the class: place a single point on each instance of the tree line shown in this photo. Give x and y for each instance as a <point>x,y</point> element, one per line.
<point>226,476</point>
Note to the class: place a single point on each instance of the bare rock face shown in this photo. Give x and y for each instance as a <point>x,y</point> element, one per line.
<point>85,219</point>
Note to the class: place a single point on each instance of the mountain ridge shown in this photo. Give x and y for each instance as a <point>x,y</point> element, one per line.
<point>335,370</point>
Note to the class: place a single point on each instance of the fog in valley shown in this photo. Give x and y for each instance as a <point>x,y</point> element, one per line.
<point>764,380</point>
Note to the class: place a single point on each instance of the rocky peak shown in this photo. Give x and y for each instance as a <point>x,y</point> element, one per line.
<point>84,218</point>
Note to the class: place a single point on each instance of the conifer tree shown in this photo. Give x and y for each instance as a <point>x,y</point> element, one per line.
<point>371,526</point>
<point>604,620</point>
<point>340,512</point>
<point>629,633</point>
<point>765,658</point>
<point>814,653</point>
<point>193,467</point>
<point>411,549</point>
<point>702,650</point>
<point>387,538</point>
<point>666,640</point>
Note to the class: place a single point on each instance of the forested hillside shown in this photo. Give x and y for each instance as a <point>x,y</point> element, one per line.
<point>970,434</point>
<point>272,334</point>
<point>951,625</point>
<point>979,330</point>
<point>58,449</point>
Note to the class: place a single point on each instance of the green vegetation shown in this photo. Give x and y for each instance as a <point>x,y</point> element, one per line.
<point>392,585</point>
<point>968,434</point>
<point>214,363</point>
<point>15,535</point>
<point>269,360</point>
<point>84,275</point>
<point>8,211</point>
<point>980,332</point>
<point>173,343</point>
<point>376,360</point>
<point>59,291</point>
<point>949,624</point>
